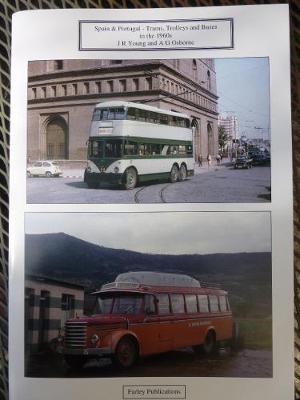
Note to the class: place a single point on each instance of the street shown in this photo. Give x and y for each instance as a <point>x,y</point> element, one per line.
<point>247,363</point>
<point>217,184</point>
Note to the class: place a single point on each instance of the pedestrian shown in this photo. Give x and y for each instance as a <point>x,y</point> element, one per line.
<point>218,158</point>
<point>208,160</point>
<point>200,160</point>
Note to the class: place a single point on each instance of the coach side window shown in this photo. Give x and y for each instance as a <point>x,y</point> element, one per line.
<point>177,301</point>
<point>203,303</point>
<point>163,304</point>
<point>213,303</point>
<point>223,304</point>
<point>150,308</point>
<point>191,303</point>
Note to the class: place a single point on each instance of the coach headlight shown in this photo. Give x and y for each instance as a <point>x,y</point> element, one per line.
<point>95,339</point>
<point>89,169</point>
<point>116,170</point>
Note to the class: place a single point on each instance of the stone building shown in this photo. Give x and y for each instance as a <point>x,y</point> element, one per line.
<point>63,93</point>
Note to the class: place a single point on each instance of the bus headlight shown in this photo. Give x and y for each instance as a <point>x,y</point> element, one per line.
<point>116,170</point>
<point>89,169</point>
<point>95,339</point>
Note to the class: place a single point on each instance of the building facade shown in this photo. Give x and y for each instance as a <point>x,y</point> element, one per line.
<point>230,124</point>
<point>63,93</point>
<point>48,304</point>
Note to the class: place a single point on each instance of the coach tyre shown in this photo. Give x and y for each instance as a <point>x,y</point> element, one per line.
<point>130,178</point>
<point>182,172</point>
<point>209,345</point>
<point>126,353</point>
<point>48,174</point>
<point>174,174</point>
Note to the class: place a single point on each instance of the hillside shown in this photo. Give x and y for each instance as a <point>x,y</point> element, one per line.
<point>247,276</point>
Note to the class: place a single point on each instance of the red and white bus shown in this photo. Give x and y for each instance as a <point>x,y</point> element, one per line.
<point>144,313</point>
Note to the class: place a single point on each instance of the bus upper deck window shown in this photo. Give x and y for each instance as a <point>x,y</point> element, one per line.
<point>97,114</point>
<point>119,113</point>
<point>131,114</point>
<point>104,114</point>
<point>164,119</point>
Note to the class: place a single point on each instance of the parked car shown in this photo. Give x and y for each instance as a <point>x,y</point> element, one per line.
<point>44,168</point>
<point>260,159</point>
<point>243,162</point>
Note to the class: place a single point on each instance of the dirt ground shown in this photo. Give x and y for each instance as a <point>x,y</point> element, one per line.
<point>246,363</point>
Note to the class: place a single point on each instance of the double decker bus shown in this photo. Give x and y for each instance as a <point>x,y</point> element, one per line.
<point>130,143</point>
<point>144,313</point>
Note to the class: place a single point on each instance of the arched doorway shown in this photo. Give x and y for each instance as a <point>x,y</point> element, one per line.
<point>210,140</point>
<point>57,139</point>
<point>196,139</point>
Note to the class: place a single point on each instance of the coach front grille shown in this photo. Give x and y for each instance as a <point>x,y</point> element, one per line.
<point>75,334</point>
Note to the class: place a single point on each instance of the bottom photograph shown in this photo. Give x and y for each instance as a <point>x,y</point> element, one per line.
<point>185,294</point>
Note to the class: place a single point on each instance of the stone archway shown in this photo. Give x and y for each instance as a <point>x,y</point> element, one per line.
<point>56,135</point>
<point>196,139</point>
<point>210,140</point>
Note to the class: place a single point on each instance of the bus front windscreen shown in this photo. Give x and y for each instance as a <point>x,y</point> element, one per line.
<point>118,304</point>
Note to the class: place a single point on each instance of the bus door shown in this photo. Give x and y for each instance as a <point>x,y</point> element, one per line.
<point>159,324</point>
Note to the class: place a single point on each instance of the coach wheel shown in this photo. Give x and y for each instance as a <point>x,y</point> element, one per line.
<point>182,172</point>
<point>75,362</point>
<point>130,178</point>
<point>174,174</point>
<point>126,353</point>
<point>209,345</point>
<point>48,174</point>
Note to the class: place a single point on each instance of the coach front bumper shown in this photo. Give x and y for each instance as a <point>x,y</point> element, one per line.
<point>98,352</point>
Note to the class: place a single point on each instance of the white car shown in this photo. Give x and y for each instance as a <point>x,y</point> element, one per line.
<point>44,168</point>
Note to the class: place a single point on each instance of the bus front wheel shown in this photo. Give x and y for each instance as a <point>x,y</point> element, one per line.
<point>131,178</point>
<point>126,353</point>
<point>174,174</point>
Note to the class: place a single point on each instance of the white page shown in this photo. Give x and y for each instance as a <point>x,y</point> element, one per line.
<point>238,225</point>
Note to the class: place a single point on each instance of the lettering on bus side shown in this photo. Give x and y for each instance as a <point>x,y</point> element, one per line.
<point>196,324</point>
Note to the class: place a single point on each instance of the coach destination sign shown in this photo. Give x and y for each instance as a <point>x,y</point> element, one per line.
<point>156,35</point>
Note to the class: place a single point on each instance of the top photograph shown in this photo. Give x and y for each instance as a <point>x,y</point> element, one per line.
<point>149,131</point>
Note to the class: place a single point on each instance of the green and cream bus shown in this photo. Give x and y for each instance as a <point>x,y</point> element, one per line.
<point>130,143</point>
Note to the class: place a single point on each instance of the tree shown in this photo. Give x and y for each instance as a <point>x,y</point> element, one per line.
<point>223,138</point>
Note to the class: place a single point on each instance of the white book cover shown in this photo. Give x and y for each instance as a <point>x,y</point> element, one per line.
<point>151,236</point>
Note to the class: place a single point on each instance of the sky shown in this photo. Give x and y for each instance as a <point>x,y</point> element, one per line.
<point>162,233</point>
<point>243,87</point>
